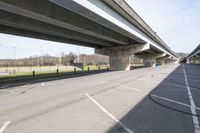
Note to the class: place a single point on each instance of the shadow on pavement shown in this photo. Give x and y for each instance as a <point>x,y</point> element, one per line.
<point>164,109</point>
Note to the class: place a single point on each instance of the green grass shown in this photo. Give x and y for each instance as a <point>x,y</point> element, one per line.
<point>44,74</point>
<point>93,67</point>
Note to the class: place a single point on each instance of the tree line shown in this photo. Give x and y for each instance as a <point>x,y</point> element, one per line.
<point>63,59</point>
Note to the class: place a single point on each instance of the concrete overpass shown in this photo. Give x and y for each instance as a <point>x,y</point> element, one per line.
<point>112,27</point>
<point>194,56</point>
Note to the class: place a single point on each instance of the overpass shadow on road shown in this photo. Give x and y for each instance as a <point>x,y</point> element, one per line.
<point>166,109</point>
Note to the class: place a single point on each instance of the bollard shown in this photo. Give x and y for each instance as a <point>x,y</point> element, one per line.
<point>57,71</point>
<point>75,70</point>
<point>33,74</point>
<point>107,68</point>
<point>99,68</point>
<point>88,69</point>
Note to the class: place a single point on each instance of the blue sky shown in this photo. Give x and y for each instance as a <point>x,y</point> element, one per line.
<point>177,22</point>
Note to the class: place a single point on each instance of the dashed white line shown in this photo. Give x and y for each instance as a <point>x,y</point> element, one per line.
<point>193,106</point>
<point>133,89</point>
<point>173,101</point>
<point>7,91</point>
<point>28,85</point>
<point>43,84</point>
<point>51,84</point>
<point>181,86</point>
<point>109,114</point>
<point>4,126</point>
<point>163,98</point>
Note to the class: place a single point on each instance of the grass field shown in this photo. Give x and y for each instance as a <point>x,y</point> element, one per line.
<point>26,73</point>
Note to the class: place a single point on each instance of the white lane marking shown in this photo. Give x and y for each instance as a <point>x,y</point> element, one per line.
<point>177,102</point>
<point>51,84</point>
<point>43,84</point>
<point>7,91</point>
<point>167,99</point>
<point>109,114</point>
<point>133,89</point>
<point>193,106</point>
<point>181,86</point>
<point>28,85</point>
<point>176,85</point>
<point>4,126</point>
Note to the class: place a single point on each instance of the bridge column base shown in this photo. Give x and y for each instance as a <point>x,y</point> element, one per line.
<point>149,62</point>
<point>152,60</point>
<point>120,56</point>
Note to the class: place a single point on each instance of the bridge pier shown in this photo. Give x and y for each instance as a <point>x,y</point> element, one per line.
<point>123,57</point>
<point>120,56</point>
<point>152,60</point>
<point>194,60</point>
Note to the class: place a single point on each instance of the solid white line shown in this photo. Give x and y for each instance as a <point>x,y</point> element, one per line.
<point>109,114</point>
<point>133,89</point>
<point>177,102</point>
<point>4,126</point>
<point>193,106</point>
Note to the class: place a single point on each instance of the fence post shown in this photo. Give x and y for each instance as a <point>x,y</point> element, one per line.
<point>33,74</point>
<point>74,70</point>
<point>57,71</point>
<point>107,68</point>
<point>88,69</point>
<point>99,68</point>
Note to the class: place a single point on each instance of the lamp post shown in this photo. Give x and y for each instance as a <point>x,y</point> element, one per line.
<point>14,48</point>
<point>42,55</point>
<point>78,54</point>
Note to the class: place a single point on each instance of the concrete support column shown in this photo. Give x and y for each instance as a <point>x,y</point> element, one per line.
<point>160,62</point>
<point>166,60</point>
<point>120,56</point>
<point>151,60</point>
<point>187,61</point>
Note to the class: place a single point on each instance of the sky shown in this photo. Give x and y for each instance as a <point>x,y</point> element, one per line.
<point>177,22</point>
<point>15,47</point>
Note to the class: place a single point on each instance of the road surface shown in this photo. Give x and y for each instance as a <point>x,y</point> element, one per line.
<point>162,99</point>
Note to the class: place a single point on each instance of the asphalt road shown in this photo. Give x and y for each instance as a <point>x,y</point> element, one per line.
<point>151,100</point>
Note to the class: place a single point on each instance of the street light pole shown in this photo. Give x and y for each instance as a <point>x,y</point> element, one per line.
<point>78,54</point>
<point>14,48</point>
<point>84,57</point>
<point>42,55</point>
